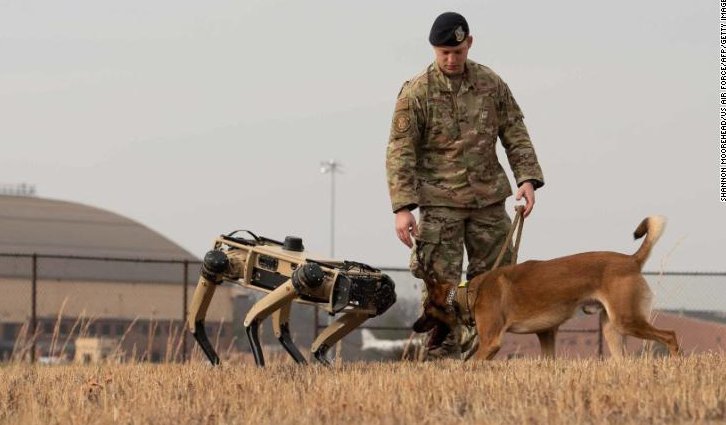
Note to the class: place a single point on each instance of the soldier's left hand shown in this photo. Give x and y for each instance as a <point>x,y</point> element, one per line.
<point>526,190</point>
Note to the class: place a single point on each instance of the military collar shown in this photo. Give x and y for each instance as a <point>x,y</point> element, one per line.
<point>443,84</point>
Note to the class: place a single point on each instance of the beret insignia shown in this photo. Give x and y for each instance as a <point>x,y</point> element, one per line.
<point>460,34</point>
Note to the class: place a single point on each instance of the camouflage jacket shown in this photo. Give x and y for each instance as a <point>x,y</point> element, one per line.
<point>441,151</point>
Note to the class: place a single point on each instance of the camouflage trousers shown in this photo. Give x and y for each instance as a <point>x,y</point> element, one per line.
<point>444,233</point>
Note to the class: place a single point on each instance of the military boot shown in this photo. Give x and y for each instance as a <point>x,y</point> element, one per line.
<point>443,343</point>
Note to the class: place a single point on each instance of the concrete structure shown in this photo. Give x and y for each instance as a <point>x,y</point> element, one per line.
<point>138,304</point>
<point>94,350</point>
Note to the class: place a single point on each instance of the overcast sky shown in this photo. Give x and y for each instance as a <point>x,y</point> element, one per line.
<point>198,118</point>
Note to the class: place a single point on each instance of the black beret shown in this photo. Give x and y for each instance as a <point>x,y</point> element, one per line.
<point>449,29</point>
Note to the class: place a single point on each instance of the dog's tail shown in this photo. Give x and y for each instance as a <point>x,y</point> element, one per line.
<point>653,226</point>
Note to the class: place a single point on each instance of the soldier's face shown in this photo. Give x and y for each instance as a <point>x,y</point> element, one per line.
<point>451,59</point>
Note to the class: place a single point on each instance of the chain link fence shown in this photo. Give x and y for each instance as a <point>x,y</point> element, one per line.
<point>58,308</point>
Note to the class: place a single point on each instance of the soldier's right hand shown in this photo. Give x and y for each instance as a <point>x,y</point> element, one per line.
<point>406,226</point>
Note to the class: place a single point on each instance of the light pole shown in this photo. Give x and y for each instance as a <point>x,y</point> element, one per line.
<point>331,166</point>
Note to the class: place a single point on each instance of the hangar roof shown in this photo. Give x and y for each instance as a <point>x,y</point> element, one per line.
<point>51,227</point>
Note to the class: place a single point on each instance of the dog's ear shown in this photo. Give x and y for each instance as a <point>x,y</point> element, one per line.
<point>424,323</point>
<point>438,292</point>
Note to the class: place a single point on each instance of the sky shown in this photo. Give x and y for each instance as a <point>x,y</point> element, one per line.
<point>199,118</point>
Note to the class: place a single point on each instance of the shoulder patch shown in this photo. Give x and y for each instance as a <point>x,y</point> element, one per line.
<point>401,122</point>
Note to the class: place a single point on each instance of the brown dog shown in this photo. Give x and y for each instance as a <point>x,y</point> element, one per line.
<point>538,296</point>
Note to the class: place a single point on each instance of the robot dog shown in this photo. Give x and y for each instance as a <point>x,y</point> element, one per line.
<point>287,274</point>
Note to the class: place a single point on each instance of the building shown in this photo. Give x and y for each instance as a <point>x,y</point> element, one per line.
<point>136,303</point>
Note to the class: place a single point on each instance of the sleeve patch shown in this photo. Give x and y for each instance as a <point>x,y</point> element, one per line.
<point>401,122</point>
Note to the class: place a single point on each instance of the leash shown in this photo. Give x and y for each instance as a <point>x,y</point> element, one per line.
<point>518,224</point>
<point>464,298</point>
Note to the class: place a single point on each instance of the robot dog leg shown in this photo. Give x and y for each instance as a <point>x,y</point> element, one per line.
<point>334,333</point>
<point>287,275</point>
<point>275,301</point>
<point>281,327</point>
<point>212,268</point>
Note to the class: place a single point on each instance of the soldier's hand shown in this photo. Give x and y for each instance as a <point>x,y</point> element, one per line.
<point>406,226</point>
<point>526,190</point>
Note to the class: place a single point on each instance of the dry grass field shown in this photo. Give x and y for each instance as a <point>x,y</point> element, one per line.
<point>525,391</point>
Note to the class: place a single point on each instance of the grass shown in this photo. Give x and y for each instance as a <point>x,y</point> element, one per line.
<point>525,391</point>
<point>58,345</point>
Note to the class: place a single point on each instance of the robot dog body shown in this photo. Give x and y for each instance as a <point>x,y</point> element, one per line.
<point>285,273</point>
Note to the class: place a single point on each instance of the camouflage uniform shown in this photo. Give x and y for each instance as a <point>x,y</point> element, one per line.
<point>441,157</point>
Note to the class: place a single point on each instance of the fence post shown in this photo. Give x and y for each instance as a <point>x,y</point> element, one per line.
<point>33,305</point>
<point>184,311</point>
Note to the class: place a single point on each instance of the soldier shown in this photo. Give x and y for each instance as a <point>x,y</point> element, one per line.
<point>441,158</point>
